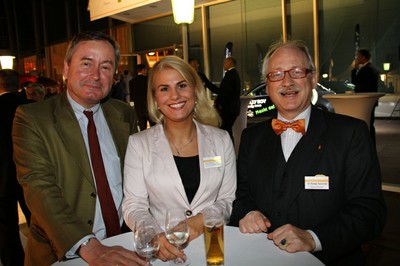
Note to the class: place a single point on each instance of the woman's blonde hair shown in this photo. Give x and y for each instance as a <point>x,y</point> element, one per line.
<point>203,112</point>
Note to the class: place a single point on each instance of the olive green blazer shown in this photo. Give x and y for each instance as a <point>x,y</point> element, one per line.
<point>54,170</point>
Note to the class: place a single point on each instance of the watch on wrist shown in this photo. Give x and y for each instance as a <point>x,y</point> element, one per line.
<point>85,243</point>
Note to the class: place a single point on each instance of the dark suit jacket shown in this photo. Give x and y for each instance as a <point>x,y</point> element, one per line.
<point>366,79</point>
<point>11,251</point>
<point>118,91</point>
<point>138,93</point>
<point>54,169</point>
<point>350,213</point>
<point>228,100</point>
<point>8,104</point>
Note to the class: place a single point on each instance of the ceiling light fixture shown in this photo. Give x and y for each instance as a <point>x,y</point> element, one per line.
<point>386,66</point>
<point>183,11</point>
<point>7,61</point>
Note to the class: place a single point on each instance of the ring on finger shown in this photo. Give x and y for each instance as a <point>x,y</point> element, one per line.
<point>283,242</point>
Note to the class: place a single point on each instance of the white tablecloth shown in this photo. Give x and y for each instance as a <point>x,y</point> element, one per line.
<point>240,249</point>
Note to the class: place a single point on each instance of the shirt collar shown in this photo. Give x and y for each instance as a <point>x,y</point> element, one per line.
<point>303,115</point>
<point>362,65</point>
<point>78,109</point>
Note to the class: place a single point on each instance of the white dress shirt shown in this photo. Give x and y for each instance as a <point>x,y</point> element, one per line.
<point>289,137</point>
<point>111,162</point>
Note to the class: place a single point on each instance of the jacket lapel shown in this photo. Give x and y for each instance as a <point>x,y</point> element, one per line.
<point>269,148</point>
<point>162,148</point>
<point>206,149</point>
<point>71,135</point>
<point>119,129</point>
<point>257,162</point>
<point>311,145</point>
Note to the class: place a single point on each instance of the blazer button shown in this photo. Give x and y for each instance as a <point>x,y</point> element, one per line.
<point>189,213</point>
<point>93,195</point>
<point>90,222</point>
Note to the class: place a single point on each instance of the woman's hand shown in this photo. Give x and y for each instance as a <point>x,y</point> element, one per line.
<point>195,226</point>
<point>168,251</point>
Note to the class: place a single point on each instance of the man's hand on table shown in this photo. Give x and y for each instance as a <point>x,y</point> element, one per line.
<point>254,222</point>
<point>292,239</point>
<point>95,253</point>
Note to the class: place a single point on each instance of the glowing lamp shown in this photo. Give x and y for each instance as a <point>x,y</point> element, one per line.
<point>7,61</point>
<point>386,66</point>
<point>183,11</point>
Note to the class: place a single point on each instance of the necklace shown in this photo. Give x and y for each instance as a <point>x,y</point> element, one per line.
<point>183,146</point>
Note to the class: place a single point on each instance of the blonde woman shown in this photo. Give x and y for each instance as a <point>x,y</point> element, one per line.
<point>184,161</point>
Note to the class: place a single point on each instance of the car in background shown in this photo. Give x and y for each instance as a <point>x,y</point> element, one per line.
<point>261,107</point>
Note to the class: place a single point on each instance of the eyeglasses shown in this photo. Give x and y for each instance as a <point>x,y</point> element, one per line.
<point>294,73</point>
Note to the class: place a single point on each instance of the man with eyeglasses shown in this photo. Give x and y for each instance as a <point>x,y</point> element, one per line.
<point>309,178</point>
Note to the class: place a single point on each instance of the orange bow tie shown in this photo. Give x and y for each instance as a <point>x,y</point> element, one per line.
<point>279,126</point>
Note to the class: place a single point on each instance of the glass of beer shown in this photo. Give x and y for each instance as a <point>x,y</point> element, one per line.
<point>213,226</point>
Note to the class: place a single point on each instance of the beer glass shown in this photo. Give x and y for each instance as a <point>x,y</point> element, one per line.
<point>213,226</point>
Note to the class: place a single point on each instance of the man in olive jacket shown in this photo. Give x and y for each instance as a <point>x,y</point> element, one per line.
<point>53,163</point>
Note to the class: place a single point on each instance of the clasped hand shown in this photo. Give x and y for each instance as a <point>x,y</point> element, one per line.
<point>287,237</point>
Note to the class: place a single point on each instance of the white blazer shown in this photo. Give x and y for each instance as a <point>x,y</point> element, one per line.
<point>152,183</point>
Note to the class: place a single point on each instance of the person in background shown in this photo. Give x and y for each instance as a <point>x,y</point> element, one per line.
<point>196,66</point>
<point>35,92</point>
<point>184,161</point>
<point>228,100</point>
<point>365,77</point>
<point>310,178</point>
<point>57,168</point>
<point>138,94</point>
<point>118,89</point>
<point>51,91</point>
<point>126,78</point>
<point>390,88</point>
<point>11,251</point>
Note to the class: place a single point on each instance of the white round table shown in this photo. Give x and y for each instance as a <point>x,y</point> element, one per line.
<point>240,249</point>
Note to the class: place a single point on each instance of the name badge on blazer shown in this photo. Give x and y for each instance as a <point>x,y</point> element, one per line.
<point>212,162</point>
<point>316,182</point>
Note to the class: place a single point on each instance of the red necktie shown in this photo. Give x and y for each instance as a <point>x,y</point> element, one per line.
<point>108,210</point>
<point>279,126</point>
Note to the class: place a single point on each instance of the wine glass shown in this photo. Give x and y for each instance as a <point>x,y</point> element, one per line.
<point>146,239</point>
<point>177,232</point>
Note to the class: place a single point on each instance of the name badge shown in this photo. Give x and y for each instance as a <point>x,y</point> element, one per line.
<point>316,182</point>
<point>212,162</point>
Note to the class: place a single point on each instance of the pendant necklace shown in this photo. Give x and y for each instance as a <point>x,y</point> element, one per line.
<point>183,146</point>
